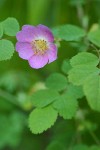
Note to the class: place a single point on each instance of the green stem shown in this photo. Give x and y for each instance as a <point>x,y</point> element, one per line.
<point>81,15</point>
<point>93,135</point>
<point>81,120</point>
<point>7,96</point>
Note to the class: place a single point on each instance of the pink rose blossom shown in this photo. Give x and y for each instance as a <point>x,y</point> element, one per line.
<point>35,44</point>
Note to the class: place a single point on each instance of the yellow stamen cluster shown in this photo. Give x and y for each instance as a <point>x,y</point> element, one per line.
<point>40,46</point>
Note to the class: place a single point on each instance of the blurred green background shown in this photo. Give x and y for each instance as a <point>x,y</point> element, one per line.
<point>17,79</point>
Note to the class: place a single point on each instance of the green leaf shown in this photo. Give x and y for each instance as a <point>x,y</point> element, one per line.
<point>92,91</point>
<point>75,91</point>
<point>56,81</point>
<point>66,66</point>
<point>94,37</point>
<point>43,98</point>
<point>6,49</point>
<point>10,26</point>
<point>85,72</point>
<point>1,30</point>
<point>84,64</point>
<point>84,58</point>
<point>66,106</point>
<point>42,119</point>
<point>78,75</point>
<point>68,32</point>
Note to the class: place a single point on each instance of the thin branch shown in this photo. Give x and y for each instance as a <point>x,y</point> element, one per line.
<point>81,16</point>
<point>95,138</point>
<point>7,96</point>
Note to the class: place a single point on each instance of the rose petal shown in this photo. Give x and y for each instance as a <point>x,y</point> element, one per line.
<point>52,52</point>
<point>26,27</point>
<point>25,50</point>
<point>38,61</point>
<point>28,34</point>
<point>45,32</point>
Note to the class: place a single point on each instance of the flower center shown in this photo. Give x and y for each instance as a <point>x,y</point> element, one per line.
<point>40,46</point>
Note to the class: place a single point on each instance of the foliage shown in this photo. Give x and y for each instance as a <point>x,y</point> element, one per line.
<point>69,32</point>
<point>85,72</point>
<point>38,120</point>
<point>9,27</point>
<point>57,107</point>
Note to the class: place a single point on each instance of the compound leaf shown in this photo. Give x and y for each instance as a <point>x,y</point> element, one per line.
<point>10,26</point>
<point>92,91</point>
<point>42,119</point>
<point>66,106</point>
<point>6,49</point>
<point>43,98</point>
<point>68,32</point>
<point>56,81</point>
